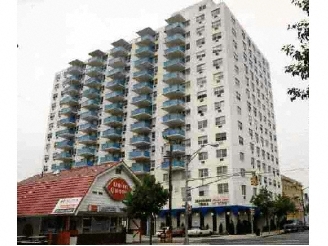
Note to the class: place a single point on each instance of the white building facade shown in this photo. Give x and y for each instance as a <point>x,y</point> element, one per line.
<point>199,80</point>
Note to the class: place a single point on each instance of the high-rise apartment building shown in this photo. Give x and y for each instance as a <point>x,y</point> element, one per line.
<point>199,80</point>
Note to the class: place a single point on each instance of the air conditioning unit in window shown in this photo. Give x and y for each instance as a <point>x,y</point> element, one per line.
<point>244,196</point>
<point>221,159</point>
<point>123,132</point>
<point>201,100</point>
<point>202,129</point>
<point>215,16</point>
<point>219,126</point>
<point>219,110</point>
<point>203,162</point>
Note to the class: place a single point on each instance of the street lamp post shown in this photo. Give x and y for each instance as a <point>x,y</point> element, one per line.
<point>186,241</point>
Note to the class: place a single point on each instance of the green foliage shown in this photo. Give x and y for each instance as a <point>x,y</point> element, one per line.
<point>264,202</point>
<point>146,199</point>
<point>299,55</point>
<point>283,205</point>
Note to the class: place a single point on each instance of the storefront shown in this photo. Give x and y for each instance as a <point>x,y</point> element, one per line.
<point>77,206</point>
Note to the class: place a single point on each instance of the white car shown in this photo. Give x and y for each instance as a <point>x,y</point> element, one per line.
<point>161,231</point>
<point>197,231</point>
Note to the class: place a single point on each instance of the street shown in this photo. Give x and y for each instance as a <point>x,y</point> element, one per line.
<point>298,238</point>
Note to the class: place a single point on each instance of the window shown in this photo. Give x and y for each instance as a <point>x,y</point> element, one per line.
<point>243,191</point>
<point>165,177</point>
<point>201,82</point>
<point>202,124</point>
<point>118,171</point>
<point>234,44</point>
<point>202,140</point>
<point>202,156</point>
<point>200,55</point>
<point>221,136</point>
<point>219,105</point>
<point>202,109</point>
<point>218,77</point>
<point>234,32</point>
<point>239,110</point>
<point>187,143</point>
<point>216,37</point>
<point>240,125</point>
<point>251,145</point>
<point>201,95</point>
<point>202,7</point>
<point>188,127</point>
<point>236,69</point>
<point>218,91</point>
<point>233,20</point>
<point>203,190</point>
<point>200,30</point>
<point>200,42</point>
<point>238,96</point>
<point>187,23</point>
<point>220,153</point>
<point>220,121</point>
<point>187,46</point>
<point>183,193</point>
<point>215,13</point>
<point>216,24</point>
<point>235,56</point>
<point>203,173</point>
<point>254,191</point>
<point>217,49</point>
<point>200,18</point>
<point>241,140</point>
<point>200,68</point>
<point>223,188</point>
<point>217,63</point>
<point>241,156</point>
<point>221,170</point>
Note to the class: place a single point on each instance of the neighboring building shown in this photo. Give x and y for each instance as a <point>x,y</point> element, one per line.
<point>200,79</point>
<point>84,200</point>
<point>294,190</point>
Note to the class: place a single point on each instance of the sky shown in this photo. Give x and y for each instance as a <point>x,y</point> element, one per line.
<point>50,34</point>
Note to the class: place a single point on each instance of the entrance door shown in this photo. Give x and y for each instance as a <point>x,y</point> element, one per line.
<point>214,226</point>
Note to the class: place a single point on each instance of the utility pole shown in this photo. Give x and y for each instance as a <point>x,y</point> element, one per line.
<point>186,241</point>
<point>170,186</point>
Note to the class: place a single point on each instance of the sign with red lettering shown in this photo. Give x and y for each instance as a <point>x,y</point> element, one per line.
<point>117,188</point>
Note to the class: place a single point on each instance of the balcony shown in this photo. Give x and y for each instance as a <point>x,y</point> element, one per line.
<point>174,78</point>
<point>174,120</point>
<point>94,71</point>
<point>114,108</point>
<point>175,40</point>
<point>109,159</point>
<point>143,88</point>
<point>112,134</point>
<point>174,134</point>
<point>176,65</point>
<point>69,122</point>
<point>68,111</point>
<point>83,163</point>
<point>115,96</point>
<point>116,73</point>
<point>146,40</point>
<point>174,91</point>
<point>66,133</point>
<point>178,149</point>
<point>91,93</point>
<point>86,151</point>
<point>93,82</point>
<point>142,101</point>
<point>175,28</point>
<point>75,70</point>
<point>140,141</point>
<point>145,51</point>
<point>88,128</point>
<point>140,168</point>
<point>139,155</point>
<point>62,166</point>
<point>111,147</point>
<point>175,52</point>
<point>66,144</point>
<point>68,100</point>
<point>174,105</point>
<point>73,80</point>
<point>87,139</point>
<point>72,90</point>
<point>117,62</point>
<point>143,75</point>
<point>62,156</point>
<point>119,51</point>
<point>118,84</point>
<point>141,127</point>
<point>89,116</point>
<point>144,63</point>
<point>96,61</point>
<point>113,121</point>
<point>176,165</point>
<point>91,104</point>
<point>142,114</point>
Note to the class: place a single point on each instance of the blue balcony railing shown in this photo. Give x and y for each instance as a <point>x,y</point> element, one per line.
<point>88,126</point>
<point>174,76</point>
<point>143,61</point>
<point>174,38</point>
<point>174,88</point>
<point>86,151</point>
<point>89,114</point>
<point>110,145</point>
<point>114,107</point>
<point>139,154</point>
<point>83,163</point>
<point>172,103</point>
<point>65,121</point>
<point>139,111</point>
<point>140,139</point>
<point>65,132</point>
<point>109,158</point>
<point>64,144</point>
<point>173,133</point>
<point>142,98</point>
<point>139,125</point>
<point>112,133</point>
<point>175,26</point>
<point>93,82</point>
<point>174,62</point>
<point>175,164</point>
<point>140,167</point>
<point>173,117</point>
<point>87,138</point>
<point>175,49</point>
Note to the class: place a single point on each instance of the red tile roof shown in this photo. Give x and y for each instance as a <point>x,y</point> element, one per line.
<point>39,195</point>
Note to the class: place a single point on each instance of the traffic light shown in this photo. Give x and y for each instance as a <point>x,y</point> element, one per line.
<point>254,180</point>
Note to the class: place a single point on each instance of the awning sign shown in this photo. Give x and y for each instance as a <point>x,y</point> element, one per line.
<point>67,205</point>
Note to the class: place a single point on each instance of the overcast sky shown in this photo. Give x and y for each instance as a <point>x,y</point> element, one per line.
<point>53,33</point>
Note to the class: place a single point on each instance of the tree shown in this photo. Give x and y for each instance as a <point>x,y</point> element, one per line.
<point>146,200</point>
<point>264,202</point>
<point>282,206</point>
<point>300,54</point>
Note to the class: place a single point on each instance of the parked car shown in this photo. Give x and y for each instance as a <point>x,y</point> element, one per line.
<point>293,226</point>
<point>197,231</point>
<point>178,232</point>
<point>162,231</point>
